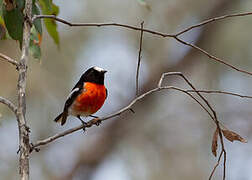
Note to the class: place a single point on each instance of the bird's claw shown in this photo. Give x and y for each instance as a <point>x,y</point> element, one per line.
<point>84,124</point>
<point>98,122</point>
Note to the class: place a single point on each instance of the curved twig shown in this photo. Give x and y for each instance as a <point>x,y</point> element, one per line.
<point>212,56</point>
<point>221,92</point>
<point>10,105</point>
<point>215,119</point>
<point>99,25</point>
<point>216,165</point>
<point>212,20</point>
<point>126,108</point>
<point>175,36</point>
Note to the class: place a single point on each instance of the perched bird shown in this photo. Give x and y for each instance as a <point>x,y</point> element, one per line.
<point>87,96</point>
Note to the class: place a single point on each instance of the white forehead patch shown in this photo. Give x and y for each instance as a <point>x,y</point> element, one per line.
<point>98,69</point>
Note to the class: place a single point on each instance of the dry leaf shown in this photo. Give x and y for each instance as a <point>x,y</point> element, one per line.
<point>232,136</point>
<point>215,142</point>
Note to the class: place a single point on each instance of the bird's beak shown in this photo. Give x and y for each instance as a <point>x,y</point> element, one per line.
<point>104,71</point>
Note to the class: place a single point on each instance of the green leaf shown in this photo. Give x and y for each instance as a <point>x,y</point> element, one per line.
<point>55,9</point>
<point>34,34</point>
<point>14,23</point>
<point>51,27</point>
<point>50,24</point>
<point>47,4</point>
<point>37,22</point>
<point>1,7</point>
<point>2,29</point>
<point>35,44</point>
<point>35,50</point>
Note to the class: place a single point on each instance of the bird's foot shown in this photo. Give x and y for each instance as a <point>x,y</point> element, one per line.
<point>98,122</point>
<point>96,119</point>
<point>84,124</point>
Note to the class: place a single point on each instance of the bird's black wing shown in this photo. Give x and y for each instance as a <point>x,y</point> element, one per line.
<point>106,93</point>
<point>73,95</point>
<point>78,88</point>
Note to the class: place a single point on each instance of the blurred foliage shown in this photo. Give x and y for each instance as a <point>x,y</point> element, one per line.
<point>35,43</point>
<point>145,4</point>
<point>49,8</point>
<point>37,22</point>
<point>12,19</point>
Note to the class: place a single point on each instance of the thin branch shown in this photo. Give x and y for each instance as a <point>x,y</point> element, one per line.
<point>218,163</point>
<point>10,105</point>
<point>215,119</point>
<point>222,92</point>
<point>99,25</point>
<point>215,19</point>
<point>126,108</point>
<point>215,166</point>
<point>9,60</point>
<point>212,20</point>
<point>139,58</point>
<point>175,36</point>
<point>224,163</point>
<point>190,84</point>
<point>212,56</point>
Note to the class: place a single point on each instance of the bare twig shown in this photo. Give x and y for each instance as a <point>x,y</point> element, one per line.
<point>224,163</point>
<point>189,83</point>
<point>9,60</point>
<point>99,25</point>
<point>216,165</point>
<point>215,119</point>
<point>175,36</point>
<point>212,56</point>
<point>139,59</point>
<point>212,20</point>
<point>207,91</point>
<point>24,144</point>
<point>126,108</point>
<point>222,92</point>
<point>10,105</point>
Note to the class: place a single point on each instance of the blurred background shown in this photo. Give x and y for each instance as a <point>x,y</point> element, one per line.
<point>169,136</point>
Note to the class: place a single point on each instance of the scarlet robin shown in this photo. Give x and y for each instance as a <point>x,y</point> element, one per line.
<point>87,96</point>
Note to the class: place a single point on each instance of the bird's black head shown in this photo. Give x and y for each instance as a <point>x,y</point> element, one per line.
<point>94,74</point>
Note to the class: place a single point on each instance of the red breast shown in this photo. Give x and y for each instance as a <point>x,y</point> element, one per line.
<point>91,99</point>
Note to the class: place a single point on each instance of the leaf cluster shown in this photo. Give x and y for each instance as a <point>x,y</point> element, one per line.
<point>12,18</point>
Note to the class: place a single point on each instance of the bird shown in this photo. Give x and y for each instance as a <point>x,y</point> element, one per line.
<point>86,97</point>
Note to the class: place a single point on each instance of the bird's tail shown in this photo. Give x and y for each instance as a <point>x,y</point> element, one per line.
<point>61,118</point>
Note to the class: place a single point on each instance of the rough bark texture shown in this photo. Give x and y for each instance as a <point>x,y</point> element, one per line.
<point>24,145</point>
